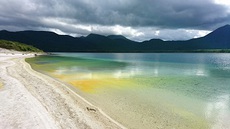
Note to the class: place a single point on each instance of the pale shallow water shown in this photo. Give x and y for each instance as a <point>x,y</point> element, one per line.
<point>149,90</point>
<point>1,85</point>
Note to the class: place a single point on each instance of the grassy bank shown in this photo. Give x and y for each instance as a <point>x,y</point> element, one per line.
<point>18,46</point>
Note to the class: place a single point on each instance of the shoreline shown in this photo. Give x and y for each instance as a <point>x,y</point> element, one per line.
<point>19,109</point>
<point>57,104</point>
<point>68,89</point>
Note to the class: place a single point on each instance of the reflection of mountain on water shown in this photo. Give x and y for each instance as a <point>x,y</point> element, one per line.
<point>220,73</point>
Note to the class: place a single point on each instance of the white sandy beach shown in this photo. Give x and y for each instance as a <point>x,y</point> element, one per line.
<point>31,100</point>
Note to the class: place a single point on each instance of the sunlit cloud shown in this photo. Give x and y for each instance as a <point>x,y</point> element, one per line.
<point>223,2</point>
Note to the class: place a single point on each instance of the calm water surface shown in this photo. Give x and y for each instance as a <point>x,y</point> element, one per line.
<point>149,90</point>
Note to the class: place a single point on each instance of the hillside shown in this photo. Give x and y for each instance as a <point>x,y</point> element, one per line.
<point>218,40</point>
<point>18,46</point>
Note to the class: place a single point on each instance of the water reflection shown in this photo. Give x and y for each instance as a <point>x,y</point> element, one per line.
<point>195,72</point>
<point>156,72</point>
<point>218,112</point>
<point>139,69</point>
<point>127,73</point>
<point>200,72</point>
<point>204,77</point>
<point>163,64</point>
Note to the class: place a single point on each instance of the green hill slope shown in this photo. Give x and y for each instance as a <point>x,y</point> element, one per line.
<point>18,46</point>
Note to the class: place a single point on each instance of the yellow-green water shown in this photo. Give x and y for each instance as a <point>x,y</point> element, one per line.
<point>149,90</point>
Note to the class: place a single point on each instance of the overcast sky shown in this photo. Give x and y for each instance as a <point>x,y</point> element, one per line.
<point>136,19</point>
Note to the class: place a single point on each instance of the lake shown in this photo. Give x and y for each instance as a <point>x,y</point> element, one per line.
<point>149,90</point>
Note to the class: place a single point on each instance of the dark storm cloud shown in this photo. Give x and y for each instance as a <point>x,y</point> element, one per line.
<point>64,14</point>
<point>164,13</point>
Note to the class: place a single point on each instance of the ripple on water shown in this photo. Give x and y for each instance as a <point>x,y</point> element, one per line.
<point>173,91</point>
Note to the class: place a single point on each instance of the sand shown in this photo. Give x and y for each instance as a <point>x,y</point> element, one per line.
<point>33,100</point>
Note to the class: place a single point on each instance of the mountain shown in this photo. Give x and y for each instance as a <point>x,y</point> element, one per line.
<point>52,42</point>
<point>118,37</point>
<point>218,39</point>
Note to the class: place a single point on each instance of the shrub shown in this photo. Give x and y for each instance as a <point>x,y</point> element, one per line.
<point>18,46</point>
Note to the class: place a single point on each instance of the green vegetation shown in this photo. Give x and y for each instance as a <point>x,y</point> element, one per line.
<point>18,46</point>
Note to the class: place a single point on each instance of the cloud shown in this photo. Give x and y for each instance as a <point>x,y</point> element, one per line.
<point>139,20</point>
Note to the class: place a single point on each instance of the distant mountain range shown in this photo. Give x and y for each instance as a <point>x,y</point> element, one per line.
<point>52,42</point>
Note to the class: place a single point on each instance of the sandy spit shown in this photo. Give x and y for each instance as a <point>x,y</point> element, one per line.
<point>33,100</point>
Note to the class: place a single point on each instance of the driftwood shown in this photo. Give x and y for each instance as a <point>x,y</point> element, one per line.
<point>91,109</point>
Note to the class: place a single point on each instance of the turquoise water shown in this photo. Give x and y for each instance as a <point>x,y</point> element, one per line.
<point>149,90</point>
